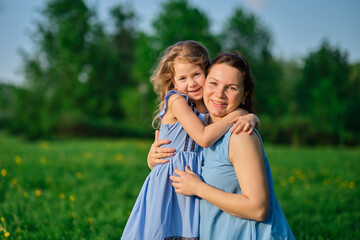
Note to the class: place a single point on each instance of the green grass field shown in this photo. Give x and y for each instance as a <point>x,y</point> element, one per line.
<point>85,189</point>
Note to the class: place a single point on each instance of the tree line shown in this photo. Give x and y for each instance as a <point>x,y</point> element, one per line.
<point>91,78</point>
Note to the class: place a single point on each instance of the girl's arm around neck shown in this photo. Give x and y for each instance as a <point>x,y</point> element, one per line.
<point>205,136</point>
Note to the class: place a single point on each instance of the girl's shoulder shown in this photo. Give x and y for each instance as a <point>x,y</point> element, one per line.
<point>173,93</point>
<point>170,97</point>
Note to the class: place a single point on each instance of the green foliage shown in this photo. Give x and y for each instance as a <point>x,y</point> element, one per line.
<point>85,189</point>
<point>80,73</point>
<point>244,32</point>
<point>173,25</point>
<point>85,79</point>
<point>323,92</point>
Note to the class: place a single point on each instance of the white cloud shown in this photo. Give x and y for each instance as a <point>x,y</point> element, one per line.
<point>256,5</point>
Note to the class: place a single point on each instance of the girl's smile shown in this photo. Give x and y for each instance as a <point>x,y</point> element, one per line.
<point>189,79</point>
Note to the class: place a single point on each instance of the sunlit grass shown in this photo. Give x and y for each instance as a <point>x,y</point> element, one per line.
<point>85,189</point>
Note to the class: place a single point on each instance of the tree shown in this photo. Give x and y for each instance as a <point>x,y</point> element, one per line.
<point>244,32</point>
<point>179,21</point>
<point>51,71</point>
<point>323,92</point>
<point>352,113</point>
<point>78,71</point>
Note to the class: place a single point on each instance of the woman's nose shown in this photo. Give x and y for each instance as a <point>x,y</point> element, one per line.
<point>220,92</point>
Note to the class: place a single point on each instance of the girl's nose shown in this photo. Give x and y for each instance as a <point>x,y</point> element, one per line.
<point>192,82</point>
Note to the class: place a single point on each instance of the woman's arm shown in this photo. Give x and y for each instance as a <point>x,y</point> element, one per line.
<point>157,154</point>
<point>246,155</point>
<point>205,136</point>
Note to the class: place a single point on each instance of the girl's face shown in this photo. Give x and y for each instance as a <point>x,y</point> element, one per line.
<point>189,79</point>
<point>223,91</point>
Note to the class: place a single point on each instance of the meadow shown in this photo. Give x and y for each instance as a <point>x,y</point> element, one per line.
<point>85,188</point>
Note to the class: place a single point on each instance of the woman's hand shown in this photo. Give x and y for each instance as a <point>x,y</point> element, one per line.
<point>157,153</point>
<point>245,123</point>
<point>187,183</point>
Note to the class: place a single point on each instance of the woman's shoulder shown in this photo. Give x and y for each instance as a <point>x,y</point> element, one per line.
<point>244,141</point>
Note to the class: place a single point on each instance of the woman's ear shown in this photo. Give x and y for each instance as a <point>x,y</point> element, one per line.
<point>245,96</point>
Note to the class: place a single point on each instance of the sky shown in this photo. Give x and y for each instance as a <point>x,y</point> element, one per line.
<point>297,26</point>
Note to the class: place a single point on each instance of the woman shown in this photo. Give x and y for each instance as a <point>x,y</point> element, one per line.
<point>238,199</point>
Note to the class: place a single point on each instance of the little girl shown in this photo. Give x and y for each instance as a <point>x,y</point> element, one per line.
<point>159,212</point>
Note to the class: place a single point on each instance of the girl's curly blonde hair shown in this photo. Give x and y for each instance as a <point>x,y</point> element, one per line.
<point>162,77</point>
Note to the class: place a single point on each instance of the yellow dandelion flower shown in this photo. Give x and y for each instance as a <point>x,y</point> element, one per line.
<point>43,159</point>
<point>78,175</point>
<point>62,195</point>
<point>45,144</point>
<point>351,185</point>
<point>2,219</point>
<point>90,221</point>
<point>88,155</point>
<point>291,179</point>
<point>3,172</point>
<point>283,182</point>
<point>344,184</point>
<point>17,160</point>
<point>38,192</point>
<point>14,181</point>
<point>26,195</point>
<point>298,172</point>
<point>48,179</point>
<point>7,234</point>
<point>307,186</point>
<point>326,182</point>
<point>72,198</point>
<point>73,215</point>
<point>119,157</point>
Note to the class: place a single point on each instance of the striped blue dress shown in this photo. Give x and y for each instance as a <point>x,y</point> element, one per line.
<point>159,212</point>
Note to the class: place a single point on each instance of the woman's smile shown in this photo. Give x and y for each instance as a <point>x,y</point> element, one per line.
<point>223,91</point>
<point>218,103</point>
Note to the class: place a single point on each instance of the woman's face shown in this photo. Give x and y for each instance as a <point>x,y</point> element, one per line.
<point>223,90</point>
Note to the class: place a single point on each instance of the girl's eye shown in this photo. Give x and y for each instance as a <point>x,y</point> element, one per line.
<point>212,83</point>
<point>233,89</point>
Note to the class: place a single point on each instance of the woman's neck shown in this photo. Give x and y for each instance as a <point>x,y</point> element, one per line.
<point>213,118</point>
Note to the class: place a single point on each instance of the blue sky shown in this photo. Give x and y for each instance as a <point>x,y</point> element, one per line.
<point>297,26</point>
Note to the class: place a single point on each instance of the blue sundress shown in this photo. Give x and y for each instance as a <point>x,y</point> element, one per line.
<point>159,212</point>
<point>216,224</point>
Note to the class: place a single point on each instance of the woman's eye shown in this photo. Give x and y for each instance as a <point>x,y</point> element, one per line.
<point>212,83</point>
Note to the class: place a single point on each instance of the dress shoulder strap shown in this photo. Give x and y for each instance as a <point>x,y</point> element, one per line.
<point>171,92</point>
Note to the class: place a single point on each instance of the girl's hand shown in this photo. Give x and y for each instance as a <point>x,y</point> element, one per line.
<point>188,182</point>
<point>245,123</point>
<point>157,154</point>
